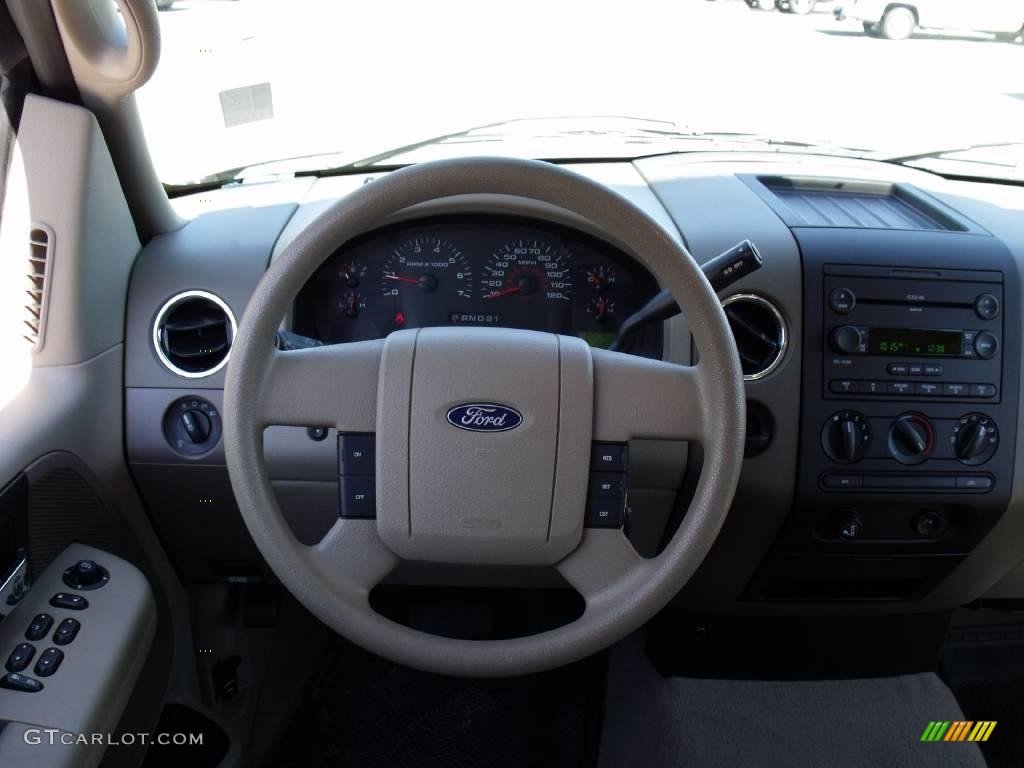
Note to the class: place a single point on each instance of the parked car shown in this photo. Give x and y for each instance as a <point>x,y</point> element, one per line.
<point>801,7</point>
<point>1004,18</point>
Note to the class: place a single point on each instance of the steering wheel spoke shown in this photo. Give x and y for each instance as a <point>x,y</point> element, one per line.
<point>636,397</point>
<point>352,558</point>
<point>332,385</point>
<point>600,564</point>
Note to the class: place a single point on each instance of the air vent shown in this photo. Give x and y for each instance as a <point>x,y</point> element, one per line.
<point>193,334</point>
<point>760,333</point>
<point>39,244</point>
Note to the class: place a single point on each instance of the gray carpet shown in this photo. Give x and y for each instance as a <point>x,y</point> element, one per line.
<point>657,722</point>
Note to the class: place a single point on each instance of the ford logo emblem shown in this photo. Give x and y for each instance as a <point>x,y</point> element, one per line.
<point>484,417</point>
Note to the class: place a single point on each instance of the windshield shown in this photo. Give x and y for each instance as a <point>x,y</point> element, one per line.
<point>326,83</point>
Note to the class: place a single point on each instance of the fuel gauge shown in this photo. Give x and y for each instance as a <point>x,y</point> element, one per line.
<point>352,273</point>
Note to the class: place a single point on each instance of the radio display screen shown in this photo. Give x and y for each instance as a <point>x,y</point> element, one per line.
<point>917,342</point>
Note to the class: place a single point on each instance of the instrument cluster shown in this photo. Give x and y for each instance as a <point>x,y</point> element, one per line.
<point>479,271</point>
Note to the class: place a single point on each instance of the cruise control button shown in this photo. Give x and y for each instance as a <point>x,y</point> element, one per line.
<point>358,497</point>
<point>356,454</point>
<point>605,513</point>
<point>20,657</point>
<point>49,661</point>
<point>66,631</point>
<point>954,390</point>
<point>607,485</point>
<point>12,681</point>
<point>983,390</point>
<point>609,457</point>
<point>69,601</point>
<point>39,627</point>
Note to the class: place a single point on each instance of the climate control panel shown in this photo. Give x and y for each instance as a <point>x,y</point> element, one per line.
<point>909,407</point>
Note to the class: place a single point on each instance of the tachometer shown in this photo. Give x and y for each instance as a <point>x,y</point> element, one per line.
<point>528,268</point>
<point>427,265</point>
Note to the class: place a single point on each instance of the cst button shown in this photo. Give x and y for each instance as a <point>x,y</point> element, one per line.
<point>605,513</point>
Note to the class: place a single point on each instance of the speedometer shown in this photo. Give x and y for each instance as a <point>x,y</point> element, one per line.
<point>528,268</point>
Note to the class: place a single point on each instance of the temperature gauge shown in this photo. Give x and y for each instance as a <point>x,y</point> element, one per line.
<point>601,307</point>
<point>352,303</point>
<point>601,278</point>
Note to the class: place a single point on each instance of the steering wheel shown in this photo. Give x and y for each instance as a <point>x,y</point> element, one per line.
<point>508,496</point>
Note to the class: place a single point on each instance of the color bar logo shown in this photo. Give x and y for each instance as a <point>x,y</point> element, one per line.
<point>958,730</point>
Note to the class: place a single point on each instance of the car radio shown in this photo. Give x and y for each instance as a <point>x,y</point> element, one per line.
<point>903,337</point>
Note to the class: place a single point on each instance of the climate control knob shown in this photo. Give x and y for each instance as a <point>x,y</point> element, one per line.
<point>847,339</point>
<point>911,438</point>
<point>846,436</point>
<point>974,438</point>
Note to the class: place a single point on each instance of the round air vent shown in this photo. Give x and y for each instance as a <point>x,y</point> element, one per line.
<point>193,334</point>
<point>760,333</point>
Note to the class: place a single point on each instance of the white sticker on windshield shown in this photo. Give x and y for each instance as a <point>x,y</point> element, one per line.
<point>247,104</point>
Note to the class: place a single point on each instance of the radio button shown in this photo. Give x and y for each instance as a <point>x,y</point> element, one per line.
<point>842,386</point>
<point>901,388</point>
<point>987,306</point>
<point>848,339</point>
<point>872,387</point>
<point>986,345</point>
<point>928,389</point>
<point>955,390</point>
<point>898,369</point>
<point>843,300</point>
<point>916,369</point>
<point>933,370</point>
<point>983,390</point>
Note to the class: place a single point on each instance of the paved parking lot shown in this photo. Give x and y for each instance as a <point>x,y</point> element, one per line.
<point>351,75</point>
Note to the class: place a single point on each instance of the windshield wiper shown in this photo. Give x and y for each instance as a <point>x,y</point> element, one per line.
<point>945,152</point>
<point>993,161</point>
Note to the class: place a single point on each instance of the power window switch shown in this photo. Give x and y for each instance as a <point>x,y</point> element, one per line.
<point>358,497</point>
<point>12,681</point>
<point>69,601</point>
<point>66,631</point>
<point>49,661</point>
<point>39,627</point>
<point>20,657</point>
<point>605,513</point>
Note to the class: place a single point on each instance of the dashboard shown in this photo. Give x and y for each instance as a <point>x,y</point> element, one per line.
<point>895,296</point>
<point>476,271</point>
